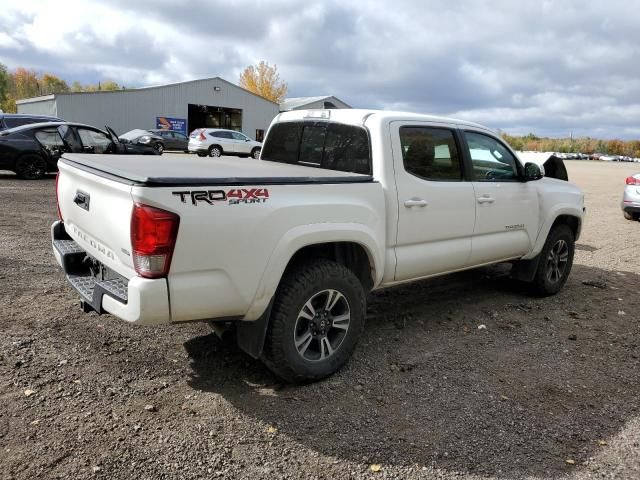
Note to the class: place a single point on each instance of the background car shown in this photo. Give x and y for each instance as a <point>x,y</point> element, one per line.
<point>144,138</point>
<point>217,141</point>
<point>33,150</point>
<point>631,198</point>
<point>13,120</point>
<point>173,140</point>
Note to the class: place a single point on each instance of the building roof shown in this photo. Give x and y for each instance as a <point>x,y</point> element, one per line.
<point>131,90</point>
<point>297,102</point>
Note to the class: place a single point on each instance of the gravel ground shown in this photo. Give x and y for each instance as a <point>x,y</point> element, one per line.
<point>549,389</point>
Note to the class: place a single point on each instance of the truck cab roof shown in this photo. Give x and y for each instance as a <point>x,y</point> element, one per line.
<point>360,116</point>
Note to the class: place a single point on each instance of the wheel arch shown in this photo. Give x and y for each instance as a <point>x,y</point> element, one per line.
<point>356,254</point>
<point>562,215</point>
<point>352,245</point>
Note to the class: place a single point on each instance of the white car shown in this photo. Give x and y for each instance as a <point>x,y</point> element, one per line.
<point>216,142</point>
<point>631,198</point>
<point>287,247</point>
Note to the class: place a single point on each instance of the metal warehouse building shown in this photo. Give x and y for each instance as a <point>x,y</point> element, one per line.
<point>185,106</point>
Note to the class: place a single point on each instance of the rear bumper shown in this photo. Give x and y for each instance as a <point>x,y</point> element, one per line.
<point>198,149</point>
<point>135,300</point>
<point>631,207</point>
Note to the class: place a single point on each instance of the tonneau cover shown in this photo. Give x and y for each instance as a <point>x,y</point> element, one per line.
<point>167,170</point>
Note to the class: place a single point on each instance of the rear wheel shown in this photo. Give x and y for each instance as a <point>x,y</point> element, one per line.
<point>316,320</point>
<point>556,260</point>
<point>31,167</point>
<point>215,151</point>
<point>255,153</point>
<point>631,216</point>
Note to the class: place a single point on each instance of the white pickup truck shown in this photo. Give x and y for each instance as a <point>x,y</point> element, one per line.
<point>286,247</point>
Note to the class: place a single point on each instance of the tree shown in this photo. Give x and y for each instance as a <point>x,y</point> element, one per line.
<point>110,85</point>
<point>51,84</point>
<point>77,87</point>
<point>25,83</point>
<point>264,80</point>
<point>4,85</point>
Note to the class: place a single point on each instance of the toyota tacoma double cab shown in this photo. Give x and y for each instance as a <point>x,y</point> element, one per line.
<point>287,246</point>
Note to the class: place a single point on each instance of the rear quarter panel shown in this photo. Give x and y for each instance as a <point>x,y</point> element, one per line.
<point>229,256</point>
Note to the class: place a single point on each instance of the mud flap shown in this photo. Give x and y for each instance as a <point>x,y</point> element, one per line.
<point>250,335</point>
<point>525,270</point>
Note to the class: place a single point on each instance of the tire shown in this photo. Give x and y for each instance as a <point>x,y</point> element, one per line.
<point>305,340</point>
<point>31,167</point>
<point>631,216</point>
<point>202,154</point>
<point>255,153</point>
<point>553,271</point>
<point>215,151</point>
<point>158,148</point>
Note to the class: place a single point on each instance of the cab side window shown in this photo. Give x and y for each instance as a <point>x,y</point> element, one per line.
<point>490,159</point>
<point>430,153</point>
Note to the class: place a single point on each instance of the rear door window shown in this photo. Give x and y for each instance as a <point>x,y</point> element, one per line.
<point>333,146</point>
<point>50,139</point>
<point>430,153</point>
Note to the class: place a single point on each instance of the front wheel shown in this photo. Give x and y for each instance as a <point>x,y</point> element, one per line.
<point>158,149</point>
<point>316,321</point>
<point>255,153</point>
<point>556,260</point>
<point>631,216</point>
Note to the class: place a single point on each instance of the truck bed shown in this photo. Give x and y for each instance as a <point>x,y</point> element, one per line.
<point>177,170</point>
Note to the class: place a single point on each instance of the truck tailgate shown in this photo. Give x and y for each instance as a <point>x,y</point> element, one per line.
<point>97,215</point>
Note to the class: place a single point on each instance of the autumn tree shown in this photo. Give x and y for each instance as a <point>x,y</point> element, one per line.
<point>4,85</point>
<point>51,84</point>
<point>264,80</point>
<point>24,83</point>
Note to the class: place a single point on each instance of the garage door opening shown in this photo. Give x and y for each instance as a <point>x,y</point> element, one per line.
<point>206,116</point>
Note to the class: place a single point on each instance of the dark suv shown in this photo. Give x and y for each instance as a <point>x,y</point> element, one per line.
<point>12,120</point>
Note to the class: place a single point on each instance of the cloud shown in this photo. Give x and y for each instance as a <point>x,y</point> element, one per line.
<point>545,67</point>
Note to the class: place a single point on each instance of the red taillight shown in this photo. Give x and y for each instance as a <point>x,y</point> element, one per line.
<point>153,237</point>
<point>58,197</point>
<point>201,136</point>
<point>633,181</point>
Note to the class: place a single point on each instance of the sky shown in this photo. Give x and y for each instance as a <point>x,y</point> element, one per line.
<point>551,68</point>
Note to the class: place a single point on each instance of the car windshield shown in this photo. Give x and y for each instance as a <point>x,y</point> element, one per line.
<point>133,134</point>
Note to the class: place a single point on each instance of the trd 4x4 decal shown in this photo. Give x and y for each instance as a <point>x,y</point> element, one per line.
<point>234,196</point>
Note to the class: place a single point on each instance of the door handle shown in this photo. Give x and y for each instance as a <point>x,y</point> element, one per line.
<point>486,199</point>
<point>415,202</point>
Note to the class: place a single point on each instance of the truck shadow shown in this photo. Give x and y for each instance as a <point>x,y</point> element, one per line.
<point>467,374</point>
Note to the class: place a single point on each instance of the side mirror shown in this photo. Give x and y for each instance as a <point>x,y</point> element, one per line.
<point>532,171</point>
<point>248,140</point>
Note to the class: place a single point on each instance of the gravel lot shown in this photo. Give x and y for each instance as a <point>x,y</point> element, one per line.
<point>549,389</point>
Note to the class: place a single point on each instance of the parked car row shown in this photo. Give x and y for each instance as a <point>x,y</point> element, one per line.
<point>596,156</point>
<point>32,150</point>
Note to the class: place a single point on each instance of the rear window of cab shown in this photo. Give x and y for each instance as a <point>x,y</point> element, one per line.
<point>333,146</point>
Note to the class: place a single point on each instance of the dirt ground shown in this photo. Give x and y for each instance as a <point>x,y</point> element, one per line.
<point>549,389</point>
